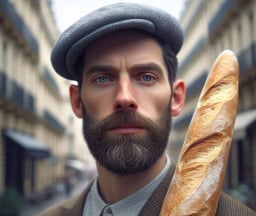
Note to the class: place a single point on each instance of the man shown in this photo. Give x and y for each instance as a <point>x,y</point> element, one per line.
<point>124,59</point>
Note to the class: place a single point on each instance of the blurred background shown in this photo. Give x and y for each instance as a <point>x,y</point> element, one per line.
<point>43,157</point>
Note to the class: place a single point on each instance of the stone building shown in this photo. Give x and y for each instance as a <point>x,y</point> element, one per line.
<point>37,127</point>
<point>211,27</point>
<point>38,132</point>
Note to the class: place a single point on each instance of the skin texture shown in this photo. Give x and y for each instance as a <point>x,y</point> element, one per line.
<point>126,71</point>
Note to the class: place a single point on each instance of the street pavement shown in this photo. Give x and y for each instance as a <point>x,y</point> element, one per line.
<point>33,209</point>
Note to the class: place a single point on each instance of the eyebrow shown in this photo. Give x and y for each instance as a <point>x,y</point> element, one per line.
<point>137,67</point>
<point>99,68</point>
<point>148,66</point>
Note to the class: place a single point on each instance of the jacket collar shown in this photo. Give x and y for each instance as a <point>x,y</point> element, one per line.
<point>76,203</point>
<point>153,206</point>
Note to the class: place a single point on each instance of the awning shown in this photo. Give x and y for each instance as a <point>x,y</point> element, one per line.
<point>243,121</point>
<point>76,164</point>
<point>32,146</point>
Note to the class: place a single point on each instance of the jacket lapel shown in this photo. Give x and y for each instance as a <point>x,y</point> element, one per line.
<point>154,204</point>
<point>75,205</point>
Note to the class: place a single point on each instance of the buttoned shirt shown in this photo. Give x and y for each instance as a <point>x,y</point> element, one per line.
<point>131,205</point>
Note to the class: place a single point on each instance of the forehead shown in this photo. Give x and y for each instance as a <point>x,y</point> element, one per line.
<point>127,42</point>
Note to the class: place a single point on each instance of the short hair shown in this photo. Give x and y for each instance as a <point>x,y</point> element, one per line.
<point>170,61</point>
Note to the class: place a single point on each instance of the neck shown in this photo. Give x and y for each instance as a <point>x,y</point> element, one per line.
<point>114,187</point>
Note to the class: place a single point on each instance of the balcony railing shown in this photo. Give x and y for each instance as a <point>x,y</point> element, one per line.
<point>53,121</point>
<point>218,18</point>
<point>16,20</point>
<point>3,84</point>
<point>51,81</point>
<point>247,59</point>
<point>194,51</point>
<point>11,91</point>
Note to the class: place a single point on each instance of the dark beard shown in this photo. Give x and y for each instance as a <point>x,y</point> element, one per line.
<point>127,153</point>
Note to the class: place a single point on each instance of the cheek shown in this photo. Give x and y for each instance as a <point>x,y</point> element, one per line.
<point>163,102</point>
<point>156,103</point>
<point>96,106</point>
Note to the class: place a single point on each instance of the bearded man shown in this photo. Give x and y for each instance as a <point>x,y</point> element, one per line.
<point>123,57</point>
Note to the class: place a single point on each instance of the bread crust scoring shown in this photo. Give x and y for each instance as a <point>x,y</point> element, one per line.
<point>199,174</point>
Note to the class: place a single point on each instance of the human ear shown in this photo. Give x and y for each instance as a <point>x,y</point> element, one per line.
<point>75,101</point>
<point>178,97</point>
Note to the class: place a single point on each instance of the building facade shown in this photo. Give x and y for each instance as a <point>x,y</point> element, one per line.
<point>38,129</point>
<point>211,27</point>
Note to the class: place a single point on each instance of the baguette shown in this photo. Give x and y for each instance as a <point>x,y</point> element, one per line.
<point>199,174</point>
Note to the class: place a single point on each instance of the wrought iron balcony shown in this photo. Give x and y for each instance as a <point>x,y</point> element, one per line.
<point>8,10</point>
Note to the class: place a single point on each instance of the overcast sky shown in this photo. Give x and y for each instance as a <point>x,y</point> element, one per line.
<point>68,11</point>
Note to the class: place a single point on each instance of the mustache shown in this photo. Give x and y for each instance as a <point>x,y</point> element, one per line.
<point>127,116</point>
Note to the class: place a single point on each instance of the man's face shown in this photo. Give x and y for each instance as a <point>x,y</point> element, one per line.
<point>126,101</point>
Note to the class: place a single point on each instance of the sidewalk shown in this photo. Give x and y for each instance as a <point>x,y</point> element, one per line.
<point>34,209</point>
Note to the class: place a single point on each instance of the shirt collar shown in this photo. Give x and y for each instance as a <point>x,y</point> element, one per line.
<point>123,207</point>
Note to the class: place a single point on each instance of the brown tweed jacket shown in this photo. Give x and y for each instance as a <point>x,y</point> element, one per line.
<point>227,206</point>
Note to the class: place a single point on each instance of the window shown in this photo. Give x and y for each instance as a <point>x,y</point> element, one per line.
<point>252,26</point>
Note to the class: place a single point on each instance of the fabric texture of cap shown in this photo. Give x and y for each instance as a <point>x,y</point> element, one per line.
<point>73,41</point>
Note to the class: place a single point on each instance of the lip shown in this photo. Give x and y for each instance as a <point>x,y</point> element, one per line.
<point>126,129</point>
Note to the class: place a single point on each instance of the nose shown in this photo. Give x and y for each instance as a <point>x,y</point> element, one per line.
<point>125,95</point>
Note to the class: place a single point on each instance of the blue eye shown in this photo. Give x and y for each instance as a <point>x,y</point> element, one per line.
<point>147,78</point>
<point>102,79</point>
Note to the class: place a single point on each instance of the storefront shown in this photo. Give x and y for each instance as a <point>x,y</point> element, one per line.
<point>22,151</point>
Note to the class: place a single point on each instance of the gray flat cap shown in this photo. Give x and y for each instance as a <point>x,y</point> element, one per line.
<point>73,41</point>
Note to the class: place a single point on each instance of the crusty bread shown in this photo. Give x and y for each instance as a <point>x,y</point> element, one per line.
<point>197,181</point>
